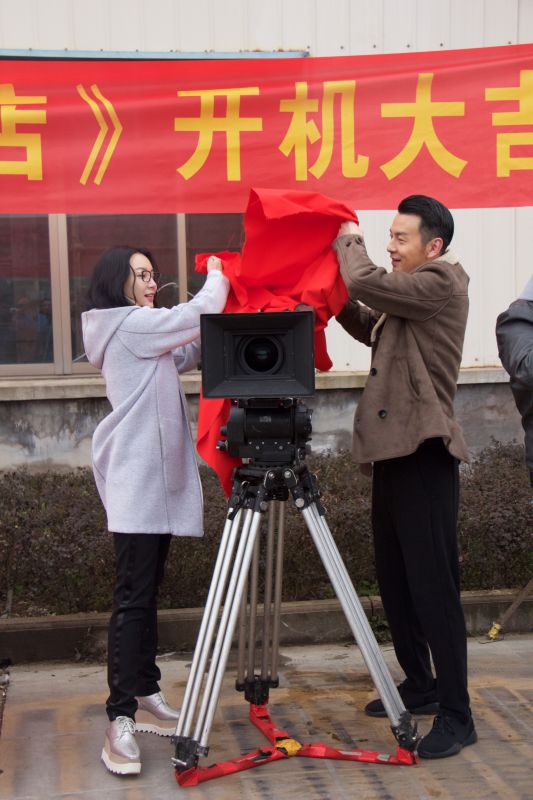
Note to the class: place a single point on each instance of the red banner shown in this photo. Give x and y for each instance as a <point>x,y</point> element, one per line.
<point>194,136</point>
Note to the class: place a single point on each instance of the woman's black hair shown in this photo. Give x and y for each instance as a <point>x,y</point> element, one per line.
<point>110,274</point>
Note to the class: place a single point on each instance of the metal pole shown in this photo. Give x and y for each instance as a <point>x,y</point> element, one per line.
<point>252,626</point>
<point>219,657</point>
<point>354,613</point>
<point>243,620</point>
<point>278,591</point>
<point>209,619</point>
<point>267,599</point>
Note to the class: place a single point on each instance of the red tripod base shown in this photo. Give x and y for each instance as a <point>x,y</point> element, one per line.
<point>282,746</point>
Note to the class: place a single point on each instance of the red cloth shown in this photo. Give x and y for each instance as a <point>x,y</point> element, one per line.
<point>287,260</point>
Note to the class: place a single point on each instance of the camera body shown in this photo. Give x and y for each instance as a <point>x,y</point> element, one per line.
<point>263,362</point>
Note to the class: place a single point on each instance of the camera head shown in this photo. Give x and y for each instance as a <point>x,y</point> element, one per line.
<point>263,362</point>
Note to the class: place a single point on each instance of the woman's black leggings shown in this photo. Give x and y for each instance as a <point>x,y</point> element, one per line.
<point>132,640</point>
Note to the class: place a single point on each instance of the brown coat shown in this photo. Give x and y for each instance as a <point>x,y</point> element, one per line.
<point>415,323</point>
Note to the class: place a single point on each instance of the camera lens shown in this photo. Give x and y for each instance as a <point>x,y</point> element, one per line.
<point>261,354</point>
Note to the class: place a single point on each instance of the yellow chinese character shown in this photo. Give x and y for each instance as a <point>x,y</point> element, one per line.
<point>524,116</point>
<point>423,110</point>
<point>10,117</point>
<point>302,130</point>
<point>207,124</point>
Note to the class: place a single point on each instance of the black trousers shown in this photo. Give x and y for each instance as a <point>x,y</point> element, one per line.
<point>132,639</point>
<point>414,516</point>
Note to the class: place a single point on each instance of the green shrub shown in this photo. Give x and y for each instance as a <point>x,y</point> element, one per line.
<point>57,556</point>
<point>495,520</point>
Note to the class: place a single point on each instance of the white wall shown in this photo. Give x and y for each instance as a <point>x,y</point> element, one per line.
<point>493,244</point>
<point>324,27</point>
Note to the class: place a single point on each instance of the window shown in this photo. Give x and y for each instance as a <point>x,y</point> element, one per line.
<point>209,233</point>
<point>46,265</point>
<point>88,236</point>
<point>26,335</point>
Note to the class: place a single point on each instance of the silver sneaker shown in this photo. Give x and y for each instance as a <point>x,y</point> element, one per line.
<point>121,753</point>
<point>154,715</point>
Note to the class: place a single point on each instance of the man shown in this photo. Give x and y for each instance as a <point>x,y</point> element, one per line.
<point>514,333</point>
<point>414,319</point>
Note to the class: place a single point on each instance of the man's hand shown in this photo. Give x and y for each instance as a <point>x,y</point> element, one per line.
<point>349,228</point>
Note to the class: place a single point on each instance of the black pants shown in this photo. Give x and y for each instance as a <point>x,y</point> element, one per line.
<point>132,639</point>
<point>414,517</point>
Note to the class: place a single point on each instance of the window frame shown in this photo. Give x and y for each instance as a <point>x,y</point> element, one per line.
<point>62,365</point>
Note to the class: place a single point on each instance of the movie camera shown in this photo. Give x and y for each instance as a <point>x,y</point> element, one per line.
<point>263,362</point>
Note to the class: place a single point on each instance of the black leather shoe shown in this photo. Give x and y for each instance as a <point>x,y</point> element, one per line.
<point>415,702</point>
<point>447,737</point>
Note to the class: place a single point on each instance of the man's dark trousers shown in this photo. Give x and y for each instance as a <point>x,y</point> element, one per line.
<point>414,516</point>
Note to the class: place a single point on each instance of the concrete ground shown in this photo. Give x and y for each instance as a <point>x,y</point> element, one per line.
<point>54,722</point>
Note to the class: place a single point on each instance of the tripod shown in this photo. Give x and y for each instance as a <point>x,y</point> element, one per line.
<point>257,489</point>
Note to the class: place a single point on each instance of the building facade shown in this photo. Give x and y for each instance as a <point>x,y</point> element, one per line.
<point>50,398</point>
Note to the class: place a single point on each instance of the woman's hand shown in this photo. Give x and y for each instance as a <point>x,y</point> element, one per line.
<point>213,262</point>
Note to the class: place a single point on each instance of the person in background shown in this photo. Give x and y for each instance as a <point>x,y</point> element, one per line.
<point>514,334</point>
<point>414,319</point>
<point>145,469</point>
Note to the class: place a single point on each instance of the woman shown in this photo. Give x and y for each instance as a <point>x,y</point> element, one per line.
<point>145,469</point>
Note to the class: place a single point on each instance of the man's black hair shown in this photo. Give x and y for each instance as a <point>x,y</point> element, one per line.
<point>110,274</point>
<point>435,219</point>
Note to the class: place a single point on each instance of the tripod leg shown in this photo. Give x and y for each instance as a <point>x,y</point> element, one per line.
<point>222,646</point>
<point>254,599</point>
<point>403,727</point>
<point>267,600</point>
<point>207,627</point>
<point>243,625</point>
<point>256,684</point>
<point>355,613</point>
<point>278,581</point>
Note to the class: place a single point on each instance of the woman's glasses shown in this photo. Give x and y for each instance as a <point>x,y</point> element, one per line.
<point>147,275</point>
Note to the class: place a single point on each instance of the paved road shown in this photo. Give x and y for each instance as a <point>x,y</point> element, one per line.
<point>54,720</point>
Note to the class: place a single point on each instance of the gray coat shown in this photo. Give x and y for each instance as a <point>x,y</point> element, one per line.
<point>143,455</point>
<point>415,323</point>
<point>514,333</point>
